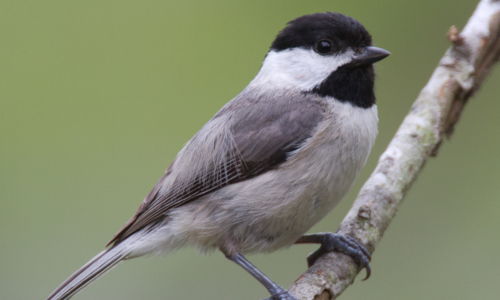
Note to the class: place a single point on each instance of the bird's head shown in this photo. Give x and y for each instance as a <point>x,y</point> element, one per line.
<point>325,53</point>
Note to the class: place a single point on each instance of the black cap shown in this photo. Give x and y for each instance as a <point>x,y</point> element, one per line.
<point>306,31</point>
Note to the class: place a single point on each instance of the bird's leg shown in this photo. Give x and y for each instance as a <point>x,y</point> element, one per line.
<point>337,242</point>
<point>276,291</point>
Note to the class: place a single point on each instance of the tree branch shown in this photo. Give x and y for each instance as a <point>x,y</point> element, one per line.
<point>437,109</point>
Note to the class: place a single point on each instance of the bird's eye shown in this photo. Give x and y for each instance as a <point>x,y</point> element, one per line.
<point>359,50</point>
<point>324,47</point>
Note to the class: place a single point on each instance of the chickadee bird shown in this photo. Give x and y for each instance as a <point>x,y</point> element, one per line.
<point>270,164</point>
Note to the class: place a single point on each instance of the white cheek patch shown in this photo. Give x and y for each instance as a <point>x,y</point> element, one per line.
<point>299,68</point>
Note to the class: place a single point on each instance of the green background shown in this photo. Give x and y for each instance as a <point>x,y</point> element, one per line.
<point>97,97</point>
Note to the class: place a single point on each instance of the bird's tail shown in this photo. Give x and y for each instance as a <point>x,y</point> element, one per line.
<point>97,266</point>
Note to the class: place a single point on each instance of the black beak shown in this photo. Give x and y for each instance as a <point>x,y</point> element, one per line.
<point>369,55</point>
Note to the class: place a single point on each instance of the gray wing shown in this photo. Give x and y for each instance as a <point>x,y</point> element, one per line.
<point>251,137</point>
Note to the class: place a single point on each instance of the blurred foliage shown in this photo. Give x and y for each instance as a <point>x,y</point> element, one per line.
<point>97,97</point>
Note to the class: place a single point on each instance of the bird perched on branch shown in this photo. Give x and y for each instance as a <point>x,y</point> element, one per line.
<point>271,163</point>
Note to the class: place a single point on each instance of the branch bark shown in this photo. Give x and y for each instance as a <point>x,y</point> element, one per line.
<point>432,117</point>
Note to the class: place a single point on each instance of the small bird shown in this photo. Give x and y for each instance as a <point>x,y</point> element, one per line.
<point>270,164</point>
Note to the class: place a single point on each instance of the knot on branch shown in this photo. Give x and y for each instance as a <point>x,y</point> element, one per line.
<point>455,37</point>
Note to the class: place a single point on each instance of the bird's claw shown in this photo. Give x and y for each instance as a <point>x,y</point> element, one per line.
<point>344,244</point>
<point>281,294</point>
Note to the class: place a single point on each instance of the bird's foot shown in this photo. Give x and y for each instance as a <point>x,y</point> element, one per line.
<point>280,294</point>
<point>344,244</point>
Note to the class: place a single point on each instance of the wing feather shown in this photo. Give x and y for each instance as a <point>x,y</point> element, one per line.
<point>242,141</point>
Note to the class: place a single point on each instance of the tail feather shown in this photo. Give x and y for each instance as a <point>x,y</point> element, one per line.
<point>97,266</point>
